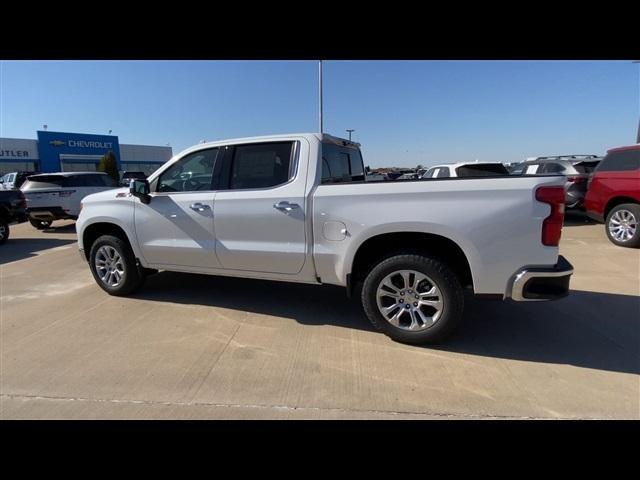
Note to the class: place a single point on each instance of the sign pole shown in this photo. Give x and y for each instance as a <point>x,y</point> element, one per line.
<point>320,87</point>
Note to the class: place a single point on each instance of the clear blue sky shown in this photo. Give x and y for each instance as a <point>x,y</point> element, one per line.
<point>404,112</point>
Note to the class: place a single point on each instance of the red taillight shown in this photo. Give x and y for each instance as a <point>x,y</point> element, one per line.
<point>552,225</point>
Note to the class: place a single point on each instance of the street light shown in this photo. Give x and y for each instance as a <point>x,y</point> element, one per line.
<point>638,134</point>
<point>320,90</point>
<point>350,130</point>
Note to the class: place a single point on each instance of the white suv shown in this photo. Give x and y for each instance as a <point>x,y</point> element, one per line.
<point>466,169</point>
<point>57,196</point>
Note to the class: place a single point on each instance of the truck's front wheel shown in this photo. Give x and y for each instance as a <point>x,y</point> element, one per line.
<point>413,299</point>
<point>113,266</point>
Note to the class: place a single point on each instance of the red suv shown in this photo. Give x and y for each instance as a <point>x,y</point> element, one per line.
<point>613,195</point>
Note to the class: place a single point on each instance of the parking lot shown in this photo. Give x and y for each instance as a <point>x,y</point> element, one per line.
<point>190,346</point>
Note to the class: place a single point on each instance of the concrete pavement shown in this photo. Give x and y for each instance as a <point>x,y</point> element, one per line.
<point>191,346</point>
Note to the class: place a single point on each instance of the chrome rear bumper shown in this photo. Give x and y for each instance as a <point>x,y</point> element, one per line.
<point>542,283</point>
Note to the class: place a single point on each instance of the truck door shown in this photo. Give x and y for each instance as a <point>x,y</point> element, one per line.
<point>176,227</point>
<point>259,214</point>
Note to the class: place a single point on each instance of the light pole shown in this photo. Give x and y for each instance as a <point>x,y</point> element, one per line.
<point>320,88</point>
<point>350,130</point>
<point>638,134</point>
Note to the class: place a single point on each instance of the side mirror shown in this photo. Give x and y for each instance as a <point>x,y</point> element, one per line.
<point>140,188</point>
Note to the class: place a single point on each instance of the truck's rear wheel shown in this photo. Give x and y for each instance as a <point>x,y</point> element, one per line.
<point>4,231</point>
<point>622,225</point>
<point>113,266</point>
<point>413,299</point>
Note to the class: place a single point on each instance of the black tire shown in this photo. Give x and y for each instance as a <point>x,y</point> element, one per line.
<point>626,209</point>
<point>132,277</point>
<point>443,278</point>
<point>40,224</point>
<point>4,231</point>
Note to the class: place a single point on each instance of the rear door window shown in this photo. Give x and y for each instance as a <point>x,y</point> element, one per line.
<point>551,167</point>
<point>263,165</point>
<point>622,161</point>
<point>86,181</point>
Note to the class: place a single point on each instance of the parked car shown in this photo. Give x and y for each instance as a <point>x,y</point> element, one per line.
<point>128,176</point>
<point>13,208</point>
<point>613,196</point>
<point>408,176</point>
<point>576,169</point>
<point>57,196</point>
<point>466,169</point>
<point>297,208</point>
<point>14,180</point>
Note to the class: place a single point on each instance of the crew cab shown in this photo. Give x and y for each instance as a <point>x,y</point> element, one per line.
<point>613,195</point>
<point>297,208</point>
<point>13,209</point>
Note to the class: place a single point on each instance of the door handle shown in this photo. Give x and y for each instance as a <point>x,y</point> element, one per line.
<point>286,206</point>
<point>199,207</point>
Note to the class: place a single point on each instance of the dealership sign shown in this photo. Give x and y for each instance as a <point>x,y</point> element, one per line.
<point>19,149</point>
<point>81,144</point>
<point>53,144</point>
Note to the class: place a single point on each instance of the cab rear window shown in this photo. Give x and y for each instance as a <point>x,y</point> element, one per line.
<point>341,164</point>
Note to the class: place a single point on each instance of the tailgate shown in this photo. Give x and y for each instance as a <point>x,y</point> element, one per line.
<point>43,198</point>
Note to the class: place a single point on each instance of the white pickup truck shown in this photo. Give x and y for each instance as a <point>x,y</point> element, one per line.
<point>297,208</point>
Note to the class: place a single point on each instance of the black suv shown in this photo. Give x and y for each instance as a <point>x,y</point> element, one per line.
<point>13,206</point>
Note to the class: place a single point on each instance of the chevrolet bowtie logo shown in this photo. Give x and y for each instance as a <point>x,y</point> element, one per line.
<point>57,143</point>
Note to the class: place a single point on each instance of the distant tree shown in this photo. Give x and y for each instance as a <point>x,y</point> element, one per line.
<point>109,165</point>
<point>419,167</point>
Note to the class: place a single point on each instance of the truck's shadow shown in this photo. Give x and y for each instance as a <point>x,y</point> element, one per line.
<point>576,218</point>
<point>19,248</point>
<point>587,329</point>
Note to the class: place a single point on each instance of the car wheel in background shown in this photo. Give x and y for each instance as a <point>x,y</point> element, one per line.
<point>40,224</point>
<point>622,225</point>
<point>113,266</point>
<point>4,231</point>
<point>413,299</point>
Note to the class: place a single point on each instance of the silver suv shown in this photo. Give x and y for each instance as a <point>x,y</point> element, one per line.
<point>577,169</point>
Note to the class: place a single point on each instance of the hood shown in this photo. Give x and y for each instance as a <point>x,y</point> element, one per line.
<point>111,194</point>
